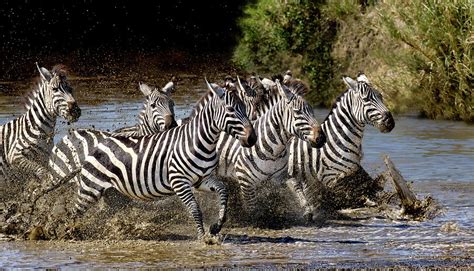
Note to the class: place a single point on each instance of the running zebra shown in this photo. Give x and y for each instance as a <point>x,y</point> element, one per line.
<point>172,162</point>
<point>290,117</point>
<point>359,105</point>
<point>27,141</point>
<point>69,153</point>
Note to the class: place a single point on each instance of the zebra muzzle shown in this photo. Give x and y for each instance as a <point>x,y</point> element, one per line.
<point>387,123</point>
<point>74,111</point>
<point>170,122</point>
<point>319,138</point>
<point>250,137</point>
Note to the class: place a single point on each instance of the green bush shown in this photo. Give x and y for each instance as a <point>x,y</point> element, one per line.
<point>437,38</point>
<point>418,53</point>
<point>280,35</point>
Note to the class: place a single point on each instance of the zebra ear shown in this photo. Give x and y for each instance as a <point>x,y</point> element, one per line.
<point>351,83</point>
<point>169,88</point>
<point>145,89</point>
<point>362,78</point>
<point>267,83</point>
<point>45,74</point>
<point>216,89</point>
<point>241,87</point>
<point>283,91</point>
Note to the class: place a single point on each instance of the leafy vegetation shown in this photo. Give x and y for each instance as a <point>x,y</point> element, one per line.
<point>281,34</point>
<point>418,53</point>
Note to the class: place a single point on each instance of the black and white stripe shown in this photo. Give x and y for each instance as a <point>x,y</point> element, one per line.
<point>69,153</point>
<point>157,114</point>
<point>172,162</point>
<point>27,141</point>
<point>361,104</point>
<point>290,117</point>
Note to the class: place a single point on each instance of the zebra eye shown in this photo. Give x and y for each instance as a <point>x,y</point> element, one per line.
<point>297,110</point>
<point>365,99</point>
<point>153,105</point>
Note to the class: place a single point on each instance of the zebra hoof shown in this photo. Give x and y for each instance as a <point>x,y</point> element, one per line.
<point>212,239</point>
<point>214,229</point>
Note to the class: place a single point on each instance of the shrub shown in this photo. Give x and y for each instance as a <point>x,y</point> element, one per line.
<point>279,35</point>
<point>418,53</point>
<point>438,50</point>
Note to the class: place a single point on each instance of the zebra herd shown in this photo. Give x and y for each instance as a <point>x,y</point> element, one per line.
<point>249,130</point>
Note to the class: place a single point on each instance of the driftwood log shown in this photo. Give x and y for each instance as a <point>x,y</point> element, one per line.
<point>411,206</point>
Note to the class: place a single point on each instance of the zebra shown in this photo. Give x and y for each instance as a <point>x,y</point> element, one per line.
<point>157,114</point>
<point>172,162</point>
<point>69,153</point>
<point>290,117</point>
<point>27,141</point>
<point>359,105</point>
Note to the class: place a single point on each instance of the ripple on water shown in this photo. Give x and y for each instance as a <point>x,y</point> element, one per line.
<point>436,155</point>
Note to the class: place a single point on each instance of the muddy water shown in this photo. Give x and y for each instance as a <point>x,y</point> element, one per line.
<point>438,156</point>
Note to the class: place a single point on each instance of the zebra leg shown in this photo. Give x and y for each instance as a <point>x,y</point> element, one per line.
<point>297,188</point>
<point>182,188</point>
<point>89,192</point>
<point>212,184</point>
<point>248,191</point>
<point>24,165</point>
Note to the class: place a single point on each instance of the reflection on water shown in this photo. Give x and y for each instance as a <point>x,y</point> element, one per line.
<point>438,156</point>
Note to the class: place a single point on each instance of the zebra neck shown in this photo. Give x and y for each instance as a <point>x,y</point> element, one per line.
<point>144,128</point>
<point>41,120</point>
<point>204,130</point>
<point>272,130</point>
<point>344,132</point>
<point>269,103</point>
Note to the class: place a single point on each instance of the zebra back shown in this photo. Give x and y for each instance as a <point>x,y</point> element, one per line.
<point>157,116</point>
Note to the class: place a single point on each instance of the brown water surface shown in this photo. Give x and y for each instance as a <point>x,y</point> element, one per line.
<point>438,156</point>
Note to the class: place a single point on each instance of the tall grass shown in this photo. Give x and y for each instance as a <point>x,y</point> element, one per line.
<point>437,38</point>
<point>419,53</point>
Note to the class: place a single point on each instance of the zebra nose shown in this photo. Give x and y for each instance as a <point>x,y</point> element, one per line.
<point>319,138</point>
<point>250,137</point>
<point>388,122</point>
<point>74,111</point>
<point>170,122</point>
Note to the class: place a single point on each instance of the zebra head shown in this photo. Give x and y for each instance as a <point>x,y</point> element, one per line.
<point>231,116</point>
<point>158,112</point>
<point>299,119</point>
<point>368,106</point>
<point>58,96</point>
<point>250,97</point>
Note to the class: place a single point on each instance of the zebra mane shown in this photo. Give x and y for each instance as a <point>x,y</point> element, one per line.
<point>60,70</point>
<point>202,101</point>
<point>334,105</point>
<point>199,104</point>
<point>297,86</point>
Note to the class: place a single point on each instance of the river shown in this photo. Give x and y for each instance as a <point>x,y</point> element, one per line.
<point>437,156</point>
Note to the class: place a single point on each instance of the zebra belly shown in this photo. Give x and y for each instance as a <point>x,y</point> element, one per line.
<point>263,169</point>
